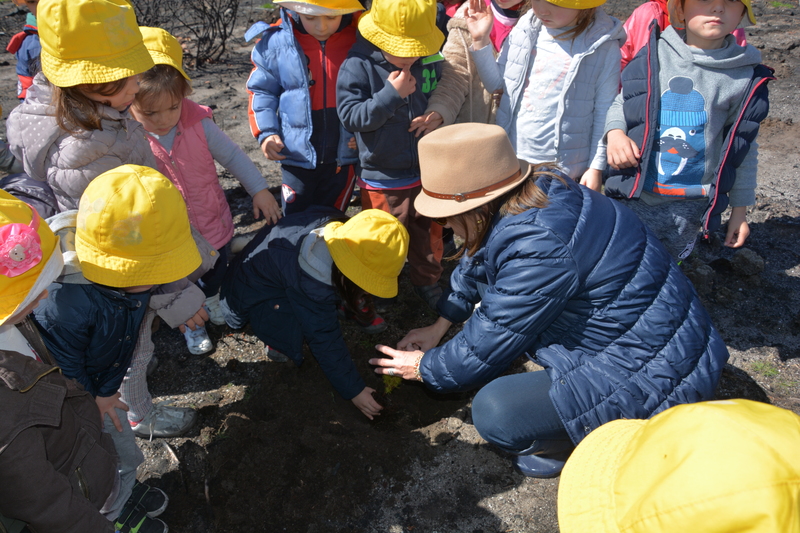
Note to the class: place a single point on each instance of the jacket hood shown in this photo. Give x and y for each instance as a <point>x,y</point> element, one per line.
<point>730,56</point>
<point>604,28</point>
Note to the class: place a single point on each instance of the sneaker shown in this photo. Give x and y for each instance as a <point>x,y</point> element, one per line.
<point>154,501</point>
<point>214,310</point>
<point>275,355</point>
<point>197,341</point>
<point>165,421</point>
<point>429,293</point>
<point>151,366</point>
<point>135,520</point>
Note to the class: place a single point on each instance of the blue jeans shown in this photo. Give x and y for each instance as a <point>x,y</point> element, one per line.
<point>515,413</point>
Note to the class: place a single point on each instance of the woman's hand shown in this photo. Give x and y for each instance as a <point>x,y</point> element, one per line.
<point>367,404</point>
<point>402,363</point>
<point>265,204</point>
<point>425,338</point>
<point>479,23</point>
<point>108,406</point>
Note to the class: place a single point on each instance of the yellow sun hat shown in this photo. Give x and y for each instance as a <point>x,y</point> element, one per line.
<point>30,259</point>
<point>133,229</point>
<point>370,250</point>
<point>718,467</point>
<point>404,28</point>
<point>164,48</point>
<point>90,41</point>
<point>322,8</point>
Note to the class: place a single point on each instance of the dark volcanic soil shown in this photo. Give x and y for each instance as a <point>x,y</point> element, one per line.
<point>275,448</point>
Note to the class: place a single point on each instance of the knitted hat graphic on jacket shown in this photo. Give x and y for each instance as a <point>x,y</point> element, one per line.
<point>680,154</point>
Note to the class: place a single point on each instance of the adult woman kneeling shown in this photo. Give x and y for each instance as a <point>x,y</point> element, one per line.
<point>564,275</point>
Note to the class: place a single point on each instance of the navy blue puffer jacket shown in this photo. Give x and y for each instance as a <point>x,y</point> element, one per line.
<point>91,331</point>
<point>586,290</point>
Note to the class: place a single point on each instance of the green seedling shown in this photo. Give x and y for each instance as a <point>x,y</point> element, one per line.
<point>765,368</point>
<point>390,383</point>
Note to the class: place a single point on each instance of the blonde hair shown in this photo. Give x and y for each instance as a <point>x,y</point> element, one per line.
<point>159,81</point>
<point>75,111</point>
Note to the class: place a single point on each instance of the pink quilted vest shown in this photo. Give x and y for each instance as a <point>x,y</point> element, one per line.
<point>191,168</point>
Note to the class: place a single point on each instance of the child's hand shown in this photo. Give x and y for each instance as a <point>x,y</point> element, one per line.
<point>265,204</point>
<point>621,151</point>
<point>738,229</point>
<point>352,144</point>
<point>108,406</point>
<point>367,404</point>
<point>272,147</point>
<point>197,321</point>
<point>479,23</point>
<point>403,82</point>
<point>425,124</point>
<point>593,179</point>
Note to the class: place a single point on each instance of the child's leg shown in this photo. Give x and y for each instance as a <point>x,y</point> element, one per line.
<point>425,246</point>
<point>304,187</point>
<point>130,457</point>
<point>212,280</point>
<point>676,224</point>
<point>134,386</point>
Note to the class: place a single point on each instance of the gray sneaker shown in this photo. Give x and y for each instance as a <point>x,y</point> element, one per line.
<point>197,340</point>
<point>164,421</point>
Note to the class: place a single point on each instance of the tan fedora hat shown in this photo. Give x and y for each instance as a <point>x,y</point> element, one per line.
<point>464,166</point>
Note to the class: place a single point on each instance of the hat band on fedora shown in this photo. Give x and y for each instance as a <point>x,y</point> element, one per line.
<point>464,196</point>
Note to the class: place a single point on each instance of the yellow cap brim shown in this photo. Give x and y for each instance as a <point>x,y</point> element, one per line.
<point>400,45</point>
<point>586,489</point>
<point>68,73</point>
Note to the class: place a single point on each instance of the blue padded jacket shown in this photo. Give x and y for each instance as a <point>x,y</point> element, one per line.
<point>589,293</point>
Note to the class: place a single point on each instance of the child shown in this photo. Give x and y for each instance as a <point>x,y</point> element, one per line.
<point>460,95</point>
<point>132,235</point>
<point>559,75</point>
<point>293,100</point>
<point>674,472</point>
<point>637,26</point>
<point>26,48</point>
<point>383,84</point>
<point>74,124</point>
<point>677,157</point>
<point>290,279</point>
<point>47,417</point>
<point>186,142</point>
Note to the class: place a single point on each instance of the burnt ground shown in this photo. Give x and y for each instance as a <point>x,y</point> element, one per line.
<point>275,448</point>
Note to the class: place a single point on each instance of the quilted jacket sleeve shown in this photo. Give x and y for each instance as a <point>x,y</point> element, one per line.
<point>359,108</point>
<point>534,277</point>
<point>264,88</point>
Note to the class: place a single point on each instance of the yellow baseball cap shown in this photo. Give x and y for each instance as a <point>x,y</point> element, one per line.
<point>370,250</point>
<point>164,48</point>
<point>90,41</point>
<point>403,29</point>
<point>133,229</point>
<point>717,467</point>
